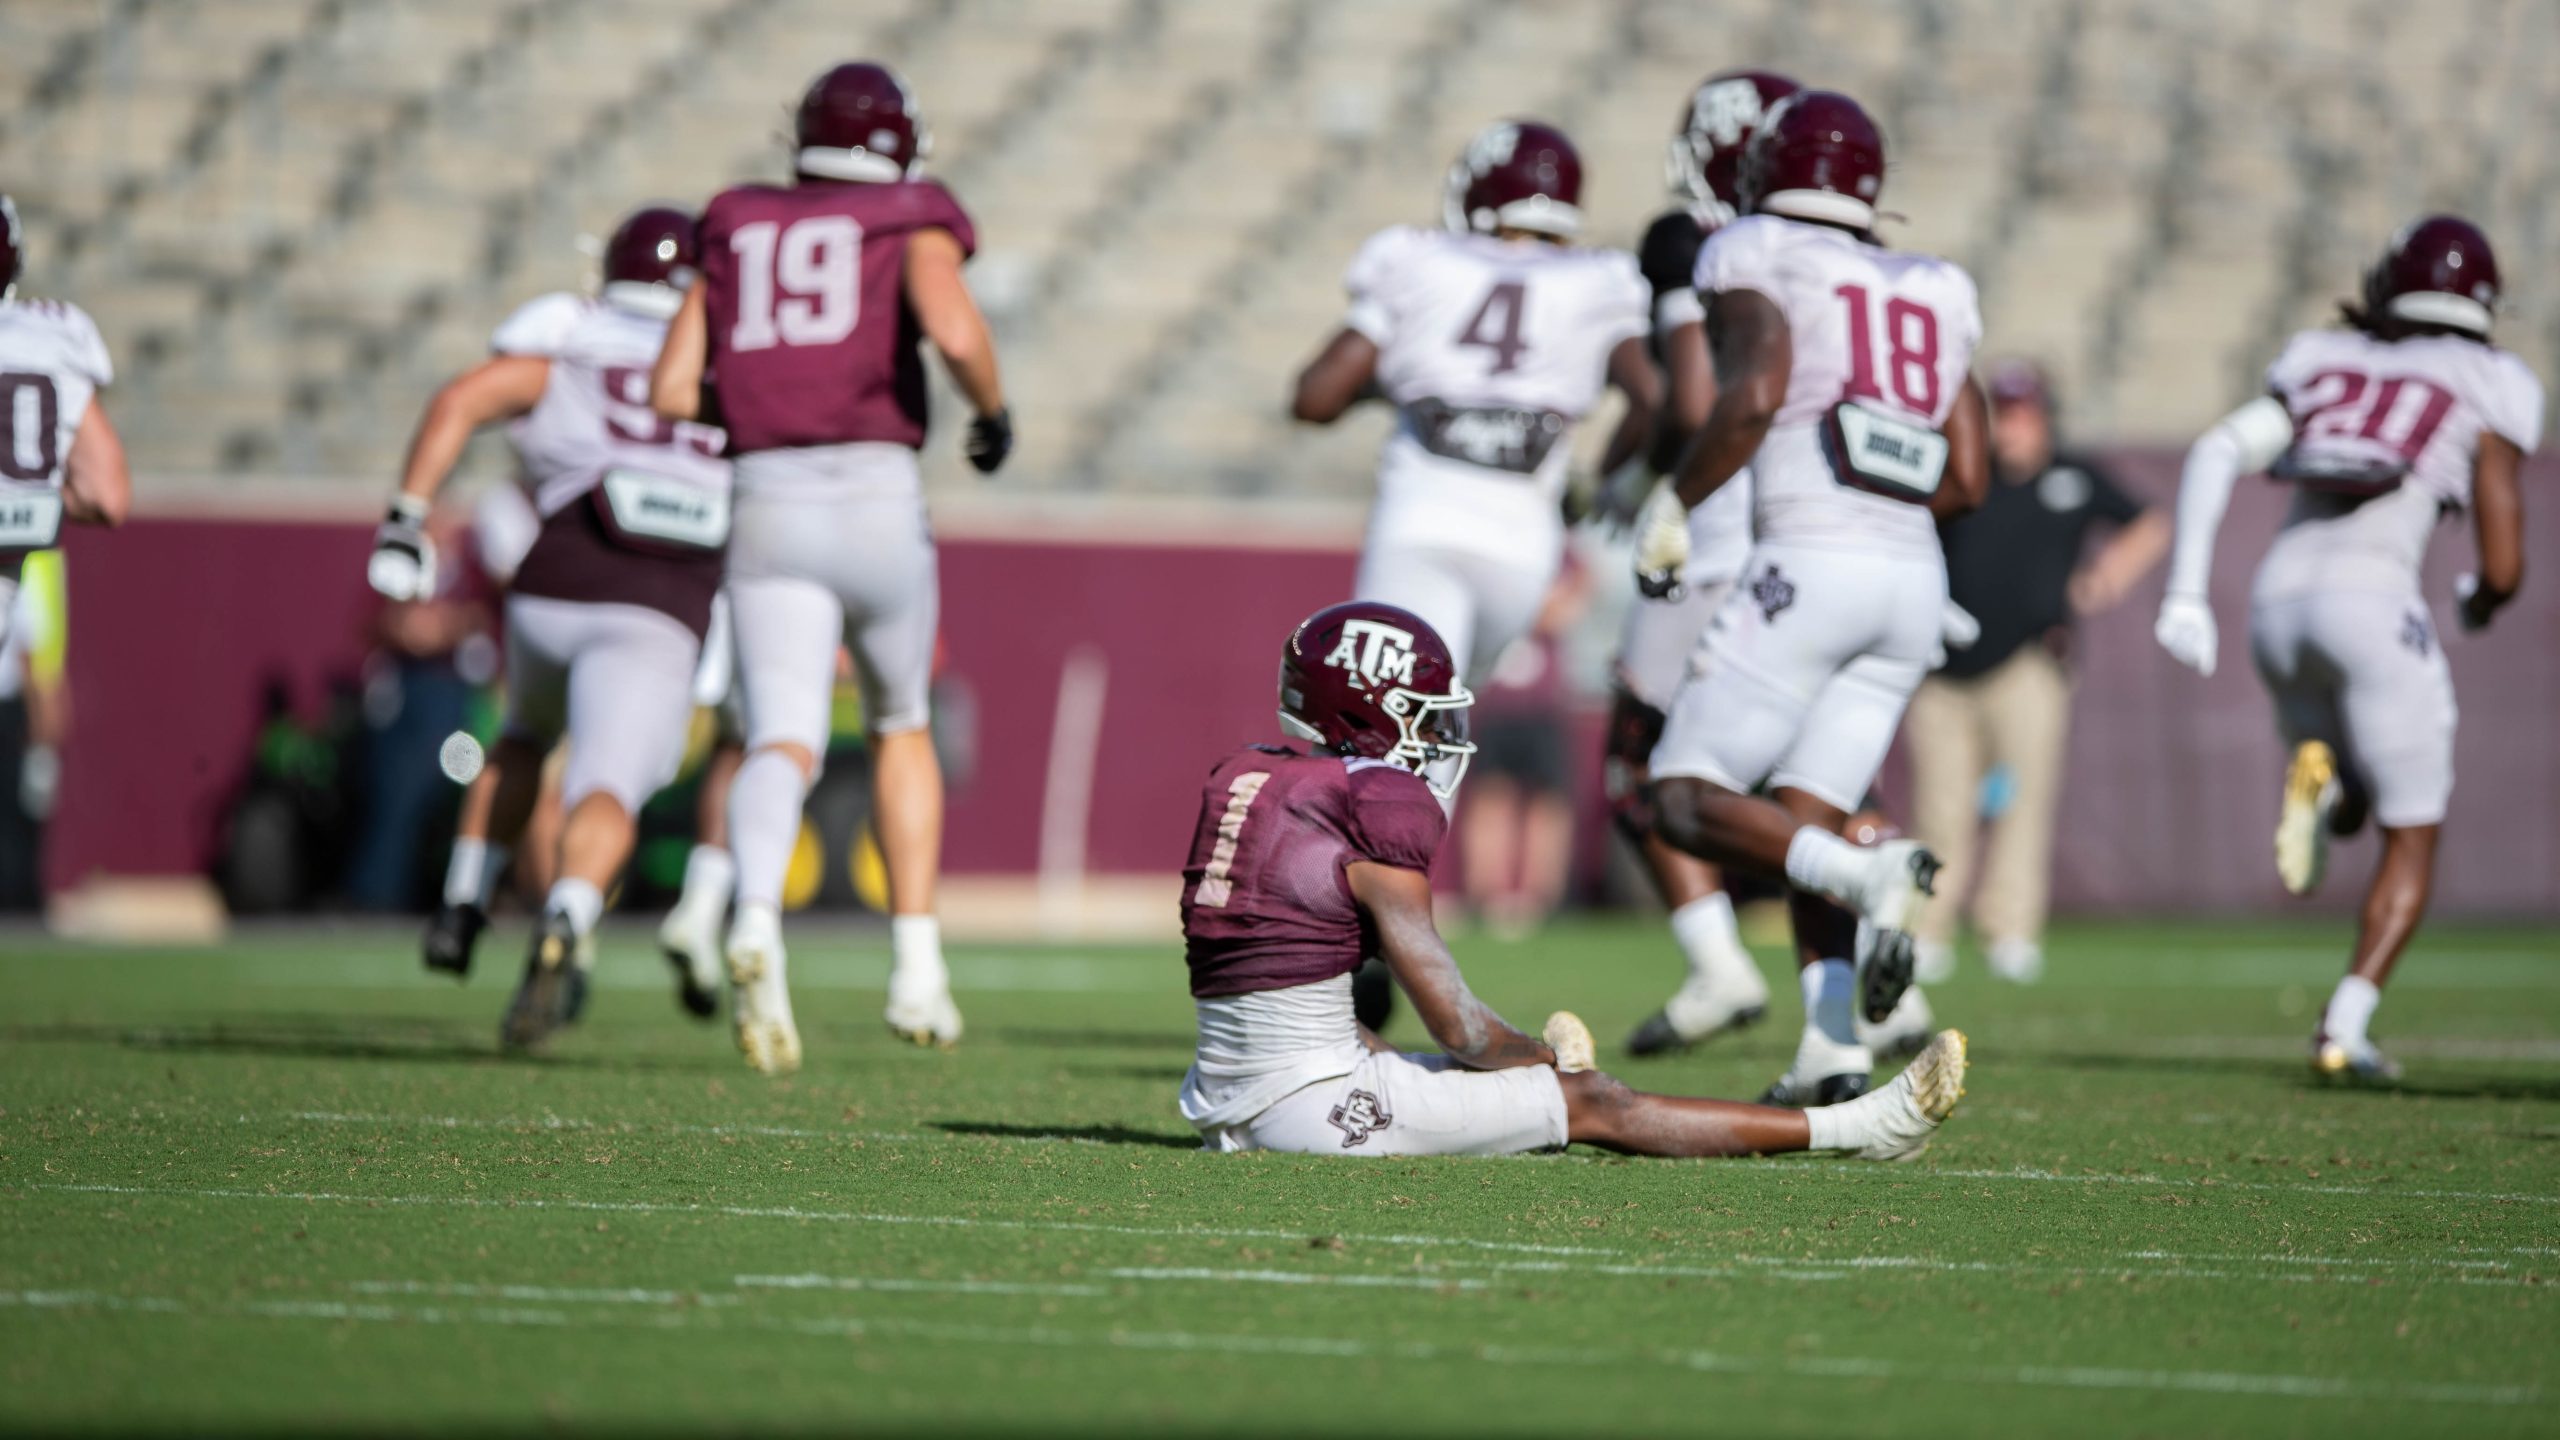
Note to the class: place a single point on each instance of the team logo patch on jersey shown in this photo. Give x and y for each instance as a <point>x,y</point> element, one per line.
<point>1378,654</point>
<point>1772,592</point>
<point>1359,1116</point>
<point>2416,633</point>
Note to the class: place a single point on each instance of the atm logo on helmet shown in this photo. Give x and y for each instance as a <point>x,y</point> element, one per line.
<point>1378,653</point>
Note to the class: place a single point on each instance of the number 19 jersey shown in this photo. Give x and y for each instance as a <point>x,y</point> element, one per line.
<point>1892,331</point>
<point>1491,351</point>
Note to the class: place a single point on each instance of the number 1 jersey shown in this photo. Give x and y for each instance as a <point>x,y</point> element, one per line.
<point>811,338</point>
<point>1491,351</point>
<point>1893,331</point>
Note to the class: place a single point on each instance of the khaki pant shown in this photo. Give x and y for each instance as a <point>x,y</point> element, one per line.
<point>2017,715</point>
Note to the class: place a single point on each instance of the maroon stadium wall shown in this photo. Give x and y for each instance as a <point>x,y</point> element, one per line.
<point>179,625</point>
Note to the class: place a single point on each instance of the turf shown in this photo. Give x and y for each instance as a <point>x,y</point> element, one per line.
<point>284,1183</point>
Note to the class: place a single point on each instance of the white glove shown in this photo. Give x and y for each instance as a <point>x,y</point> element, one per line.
<point>403,566</point>
<point>1957,630</point>
<point>2185,630</point>
<point>39,781</point>
<point>1662,544</point>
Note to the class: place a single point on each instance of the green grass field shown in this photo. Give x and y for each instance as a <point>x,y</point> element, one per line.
<point>285,1182</point>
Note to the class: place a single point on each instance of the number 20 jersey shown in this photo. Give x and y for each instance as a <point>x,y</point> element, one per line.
<point>1478,337</point>
<point>52,362</point>
<point>2424,400</point>
<point>1893,331</point>
<point>811,338</point>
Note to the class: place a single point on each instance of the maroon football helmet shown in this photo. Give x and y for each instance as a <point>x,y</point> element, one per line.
<point>1705,163</point>
<point>2436,271</point>
<point>858,122</point>
<point>1518,175</point>
<point>1817,157</point>
<point>12,246</point>
<point>1370,680</point>
<point>650,262</point>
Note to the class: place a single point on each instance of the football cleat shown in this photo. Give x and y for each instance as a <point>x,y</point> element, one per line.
<point>920,1008</point>
<point>761,995</point>
<point>2311,792</point>
<point>1907,1031</point>
<point>1566,1035</point>
<point>1906,874</point>
<point>451,937</point>
<point>547,997</point>
<point>1824,1073</point>
<point>1904,1115</point>
<point>691,943</point>
<point>2358,1061</point>
<point>1699,1010</point>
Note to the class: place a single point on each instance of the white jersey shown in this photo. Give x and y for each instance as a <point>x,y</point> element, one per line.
<point>52,364</point>
<point>1893,331</point>
<point>594,415</point>
<point>2417,405</point>
<point>1491,351</point>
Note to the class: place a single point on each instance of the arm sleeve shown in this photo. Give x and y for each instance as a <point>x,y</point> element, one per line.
<point>1395,819</point>
<point>88,347</point>
<point>2514,408</point>
<point>1669,259</point>
<point>1738,257</point>
<point>1367,282</point>
<point>539,327</point>
<point>2242,442</point>
<point>942,212</point>
<point>1630,300</point>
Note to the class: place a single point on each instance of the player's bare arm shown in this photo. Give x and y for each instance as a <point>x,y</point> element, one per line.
<point>97,486</point>
<point>1397,902</point>
<point>1967,482</point>
<point>951,320</point>
<point>1632,374</point>
<point>675,382</point>
<point>500,388</point>
<point>2497,512</point>
<point>1335,379</point>
<point>2121,562</point>
<point>1754,354</point>
<point>1689,392</point>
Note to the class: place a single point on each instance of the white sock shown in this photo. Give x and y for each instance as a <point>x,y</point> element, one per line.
<point>1830,988</point>
<point>1707,933</point>
<point>764,823</point>
<point>2351,1010</point>
<point>756,923</point>
<point>579,901</point>
<point>1827,865</point>
<point>915,945</point>
<point>709,875</point>
<point>466,871</point>
<point>1831,1130</point>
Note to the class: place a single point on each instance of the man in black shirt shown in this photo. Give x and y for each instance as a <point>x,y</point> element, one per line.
<point>2003,704</point>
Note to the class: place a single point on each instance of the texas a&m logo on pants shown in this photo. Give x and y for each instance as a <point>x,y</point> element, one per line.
<point>1359,1116</point>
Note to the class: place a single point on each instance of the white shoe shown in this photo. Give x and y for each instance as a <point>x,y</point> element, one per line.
<point>690,939</point>
<point>1571,1040</point>
<point>761,998</point>
<point>1903,876</point>
<point>2311,791</point>
<point>1933,962</point>
<point>1733,996</point>
<point>2358,1060</point>
<point>1824,1073</point>
<point>920,1007</point>
<point>1900,1118</point>
<point>1906,1031</point>
<point>2020,962</point>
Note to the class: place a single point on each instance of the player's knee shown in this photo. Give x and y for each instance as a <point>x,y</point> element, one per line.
<point>800,757</point>
<point>1634,728</point>
<point>1680,813</point>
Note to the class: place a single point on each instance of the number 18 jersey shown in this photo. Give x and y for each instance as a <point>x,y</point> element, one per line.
<point>1491,351</point>
<point>1893,331</point>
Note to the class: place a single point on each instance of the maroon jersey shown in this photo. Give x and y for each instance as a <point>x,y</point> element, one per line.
<point>812,340</point>
<point>1265,902</point>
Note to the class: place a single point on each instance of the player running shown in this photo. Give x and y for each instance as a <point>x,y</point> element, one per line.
<point>606,615</point>
<point>1303,862</point>
<point>1686,559</point>
<point>2383,428</point>
<point>60,457</point>
<point>806,326</point>
<point>1492,337</point>
<point>1842,381</point>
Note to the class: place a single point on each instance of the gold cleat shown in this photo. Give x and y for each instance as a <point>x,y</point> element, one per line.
<point>1571,1040</point>
<point>1931,1085</point>
<point>2311,792</point>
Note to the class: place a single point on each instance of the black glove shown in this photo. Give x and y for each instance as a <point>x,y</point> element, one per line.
<point>403,566</point>
<point>990,440</point>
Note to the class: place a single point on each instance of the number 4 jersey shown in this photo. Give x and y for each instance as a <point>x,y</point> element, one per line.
<point>1491,350</point>
<point>52,362</point>
<point>1889,334</point>
<point>2403,419</point>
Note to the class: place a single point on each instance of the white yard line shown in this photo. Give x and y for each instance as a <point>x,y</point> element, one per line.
<point>557,1295</point>
<point>904,1285</point>
<point>1906,1176</point>
<point>1292,1277</point>
<point>2075,1377</point>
